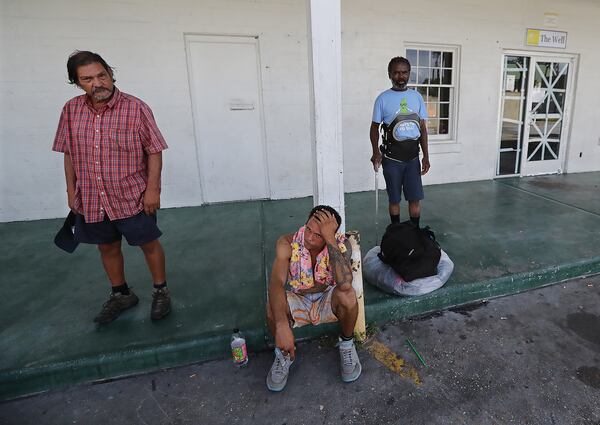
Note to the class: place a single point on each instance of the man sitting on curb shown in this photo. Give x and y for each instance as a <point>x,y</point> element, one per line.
<point>315,263</point>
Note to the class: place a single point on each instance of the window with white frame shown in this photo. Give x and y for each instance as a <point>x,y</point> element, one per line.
<point>434,74</point>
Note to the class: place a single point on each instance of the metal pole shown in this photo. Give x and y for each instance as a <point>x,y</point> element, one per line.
<point>377,206</point>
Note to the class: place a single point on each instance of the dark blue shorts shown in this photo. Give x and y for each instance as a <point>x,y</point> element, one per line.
<point>403,177</point>
<point>138,230</point>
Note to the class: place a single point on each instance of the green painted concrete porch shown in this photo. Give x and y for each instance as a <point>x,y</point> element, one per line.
<point>504,236</point>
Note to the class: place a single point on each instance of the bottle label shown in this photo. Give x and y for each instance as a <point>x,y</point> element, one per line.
<point>239,354</point>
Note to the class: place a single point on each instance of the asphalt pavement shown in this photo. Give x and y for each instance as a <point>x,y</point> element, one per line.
<point>529,358</point>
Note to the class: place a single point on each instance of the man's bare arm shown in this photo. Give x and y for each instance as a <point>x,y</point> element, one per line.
<point>71,180</point>
<point>154,170</point>
<point>340,264</point>
<point>152,194</point>
<point>424,147</point>
<point>284,338</point>
<point>374,136</point>
<point>281,264</point>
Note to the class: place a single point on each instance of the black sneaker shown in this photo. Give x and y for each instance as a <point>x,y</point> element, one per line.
<point>161,303</point>
<point>115,305</point>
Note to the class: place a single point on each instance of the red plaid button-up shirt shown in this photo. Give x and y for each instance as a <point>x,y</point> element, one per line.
<point>108,150</point>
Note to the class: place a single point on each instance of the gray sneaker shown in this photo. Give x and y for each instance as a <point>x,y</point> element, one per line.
<point>349,363</point>
<point>112,308</point>
<point>277,376</point>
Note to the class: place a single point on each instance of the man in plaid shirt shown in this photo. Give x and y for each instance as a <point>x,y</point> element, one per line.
<point>113,159</point>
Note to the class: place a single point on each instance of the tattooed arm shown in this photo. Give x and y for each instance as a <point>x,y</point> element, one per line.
<point>339,262</point>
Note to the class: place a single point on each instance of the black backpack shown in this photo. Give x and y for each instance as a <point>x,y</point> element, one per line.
<point>411,251</point>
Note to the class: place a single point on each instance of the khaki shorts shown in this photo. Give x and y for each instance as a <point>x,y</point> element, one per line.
<point>311,309</point>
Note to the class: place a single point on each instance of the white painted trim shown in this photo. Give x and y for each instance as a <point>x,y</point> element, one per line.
<point>540,53</point>
<point>504,176</point>
<point>444,146</point>
<point>501,120</point>
<point>570,105</point>
<point>262,120</point>
<point>500,109</point>
<point>218,38</point>
<point>190,72</point>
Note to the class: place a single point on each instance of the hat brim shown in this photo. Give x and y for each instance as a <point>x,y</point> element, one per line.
<point>65,239</point>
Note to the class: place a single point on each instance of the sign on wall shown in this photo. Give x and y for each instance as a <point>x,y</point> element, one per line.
<point>546,38</point>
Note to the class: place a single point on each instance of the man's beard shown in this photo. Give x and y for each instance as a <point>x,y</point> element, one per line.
<point>101,94</point>
<point>400,86</point>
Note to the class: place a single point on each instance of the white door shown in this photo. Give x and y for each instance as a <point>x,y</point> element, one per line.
<point>513,97</point>
<point>546,118</point>
<point>224,83</point>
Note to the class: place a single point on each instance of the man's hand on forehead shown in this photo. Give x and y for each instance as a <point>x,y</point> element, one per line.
<point>327,223</point>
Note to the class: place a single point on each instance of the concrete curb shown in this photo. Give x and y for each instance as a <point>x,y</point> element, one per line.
<point>460,294</point>
<point>27,381</point>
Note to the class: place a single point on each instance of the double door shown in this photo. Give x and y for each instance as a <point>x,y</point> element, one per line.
<point>535,114</point>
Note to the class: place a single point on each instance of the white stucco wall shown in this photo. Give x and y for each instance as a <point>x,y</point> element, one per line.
<point>144,41</point>
<point>373,32</point>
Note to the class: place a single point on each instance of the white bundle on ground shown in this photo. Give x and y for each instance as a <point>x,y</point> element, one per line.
<point>377,273</point>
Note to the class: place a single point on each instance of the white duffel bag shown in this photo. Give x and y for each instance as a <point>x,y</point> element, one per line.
<point>379,274</point>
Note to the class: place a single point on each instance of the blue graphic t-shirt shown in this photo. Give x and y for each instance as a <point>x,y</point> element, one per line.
<point>391,102</point>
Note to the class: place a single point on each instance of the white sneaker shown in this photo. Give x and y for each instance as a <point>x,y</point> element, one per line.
<point>350,366</point>
<point>277,376</point>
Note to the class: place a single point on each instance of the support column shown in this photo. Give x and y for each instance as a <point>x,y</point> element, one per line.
<point>325,69</point>
<point>325,60</point>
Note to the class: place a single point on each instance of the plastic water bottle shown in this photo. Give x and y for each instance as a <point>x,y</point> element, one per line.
<point>238,349</point>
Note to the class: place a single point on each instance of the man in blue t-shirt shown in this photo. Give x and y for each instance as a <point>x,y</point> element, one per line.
<point>401,113</point>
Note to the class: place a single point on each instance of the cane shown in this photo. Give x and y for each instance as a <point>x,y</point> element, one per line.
<point>377,205</point>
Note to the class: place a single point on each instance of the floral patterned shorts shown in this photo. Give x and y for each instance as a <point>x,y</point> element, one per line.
<point>311,308</point>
